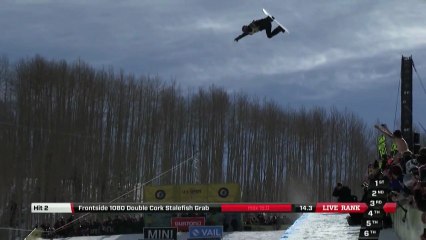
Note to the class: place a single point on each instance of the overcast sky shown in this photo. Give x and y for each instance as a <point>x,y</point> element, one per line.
<point>338,53</point>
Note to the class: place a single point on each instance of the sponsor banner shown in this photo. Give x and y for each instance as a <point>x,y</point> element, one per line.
<point>183,223</point>
<point>205,232</point>
<point>193,193</point>
<point>160,233</point>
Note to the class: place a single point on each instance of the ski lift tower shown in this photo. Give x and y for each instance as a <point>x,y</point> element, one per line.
<point>407,100</point>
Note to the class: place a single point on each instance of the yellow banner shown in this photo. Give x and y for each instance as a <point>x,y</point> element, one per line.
<point>229,192</point>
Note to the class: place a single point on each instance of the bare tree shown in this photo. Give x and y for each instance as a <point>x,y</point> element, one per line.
<point>69,132</point>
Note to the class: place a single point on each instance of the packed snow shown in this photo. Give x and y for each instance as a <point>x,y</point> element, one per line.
<point>312,226</point>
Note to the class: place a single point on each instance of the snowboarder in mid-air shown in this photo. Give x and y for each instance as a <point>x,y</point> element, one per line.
<point>260,25</point>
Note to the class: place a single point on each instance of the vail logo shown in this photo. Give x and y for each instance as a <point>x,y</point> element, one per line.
<point>205,231</point>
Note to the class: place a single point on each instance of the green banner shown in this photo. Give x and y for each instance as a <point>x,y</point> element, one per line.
<point>394,149</point>
<point>381,145</point>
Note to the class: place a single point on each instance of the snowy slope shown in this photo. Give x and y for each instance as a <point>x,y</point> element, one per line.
<point>312,226</point>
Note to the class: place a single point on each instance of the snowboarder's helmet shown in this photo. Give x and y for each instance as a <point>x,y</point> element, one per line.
<point>245,29</point>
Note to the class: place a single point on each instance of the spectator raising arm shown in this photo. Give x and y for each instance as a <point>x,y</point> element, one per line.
<point>384,129</point>
<point>396,137</point>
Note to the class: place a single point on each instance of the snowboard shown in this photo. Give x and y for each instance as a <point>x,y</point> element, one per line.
<point>275,20</point>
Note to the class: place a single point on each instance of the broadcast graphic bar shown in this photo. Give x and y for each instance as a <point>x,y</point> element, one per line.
<point>52,208</point>
<point>321,207</point>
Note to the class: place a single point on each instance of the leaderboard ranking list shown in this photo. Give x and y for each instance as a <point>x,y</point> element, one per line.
<point>324,207</point>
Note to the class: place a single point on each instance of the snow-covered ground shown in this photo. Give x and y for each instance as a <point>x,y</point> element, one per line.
<point>315,226</point>
<point>312,226</point>
<point>322,226</point>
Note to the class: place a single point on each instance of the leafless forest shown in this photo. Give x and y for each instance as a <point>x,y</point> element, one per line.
<point>72,132</point>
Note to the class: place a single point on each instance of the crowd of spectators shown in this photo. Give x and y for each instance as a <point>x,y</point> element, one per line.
<point>262,219</point>
<point>406,175</point>
<point>402,169</point>
<point>406,171</point>
<point>92,227</point>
